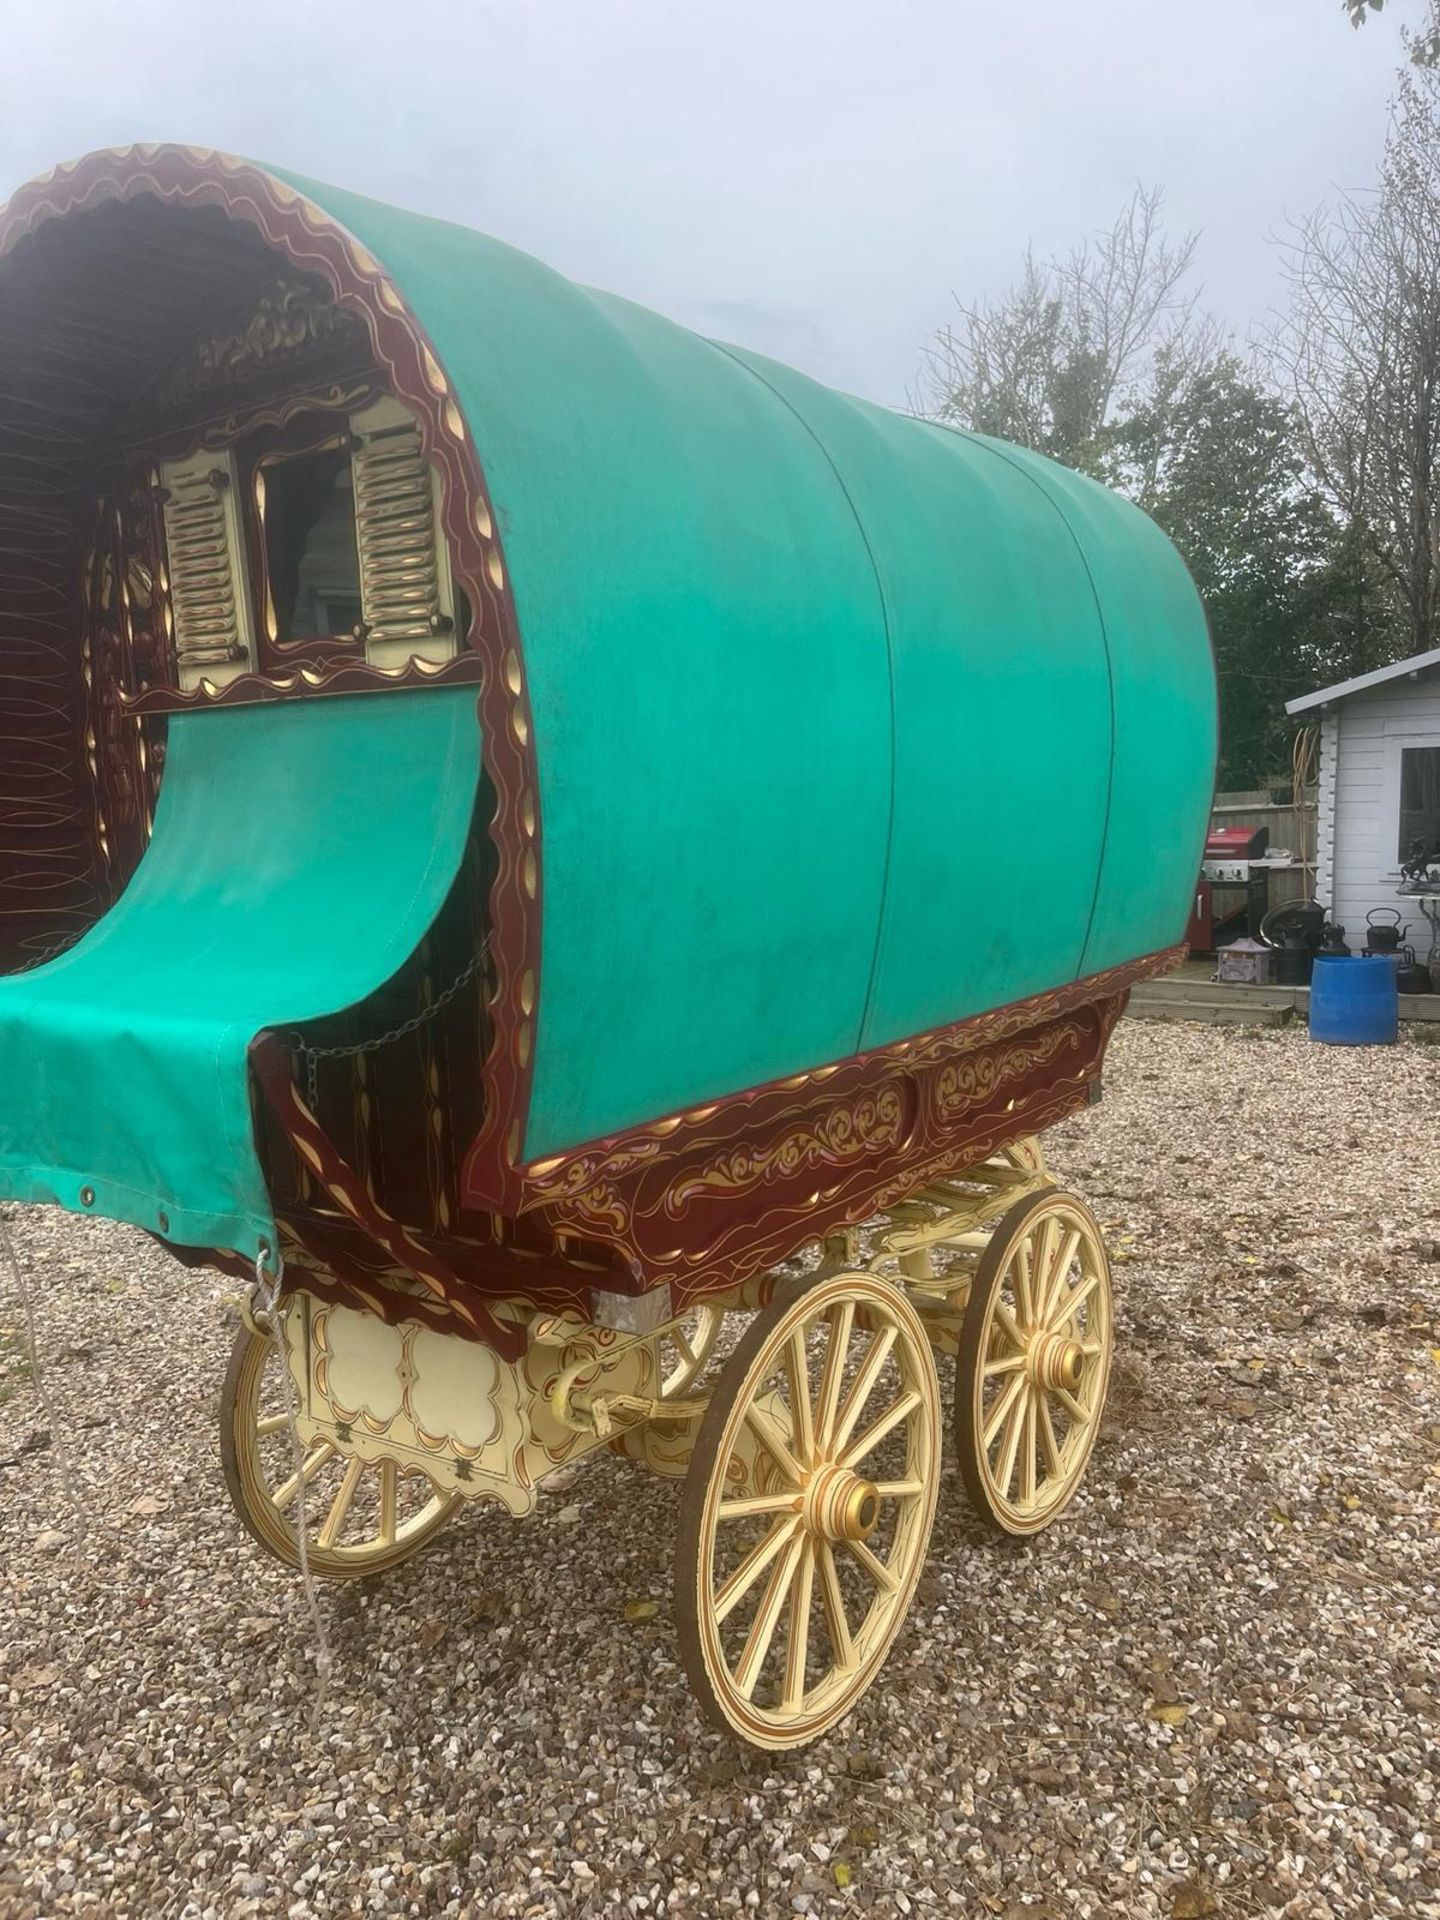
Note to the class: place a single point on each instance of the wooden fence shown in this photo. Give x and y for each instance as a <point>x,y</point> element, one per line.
<point>1291,824</point>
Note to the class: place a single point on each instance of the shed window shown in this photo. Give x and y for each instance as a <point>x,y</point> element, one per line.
<point>1419,798</point>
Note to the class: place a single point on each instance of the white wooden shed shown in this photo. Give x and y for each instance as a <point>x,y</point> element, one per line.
<point>1379,786</point>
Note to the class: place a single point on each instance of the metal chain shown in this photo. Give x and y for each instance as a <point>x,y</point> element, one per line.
<point>42,1384</point>
<point>265,1313</point>
<point>312,1056</point>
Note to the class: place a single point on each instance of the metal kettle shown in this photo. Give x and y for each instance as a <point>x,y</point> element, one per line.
<point>1412,975</point>
<point>1382,936</point>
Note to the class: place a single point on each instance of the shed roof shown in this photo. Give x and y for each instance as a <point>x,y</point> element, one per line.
<point>1416,664</point>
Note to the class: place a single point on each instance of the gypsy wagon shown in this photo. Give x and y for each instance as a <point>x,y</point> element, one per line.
<point>523,830</point>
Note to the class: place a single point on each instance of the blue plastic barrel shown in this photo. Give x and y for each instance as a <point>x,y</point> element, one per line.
<point>1354,999</point>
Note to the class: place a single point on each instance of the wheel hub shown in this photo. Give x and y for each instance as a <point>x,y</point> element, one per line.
<point>1056,1362</point>
<point>839,1505</point>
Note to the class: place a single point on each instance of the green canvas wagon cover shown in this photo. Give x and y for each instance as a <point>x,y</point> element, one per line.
<point>805,729</point>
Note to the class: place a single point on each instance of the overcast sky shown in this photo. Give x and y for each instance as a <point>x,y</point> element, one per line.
<point>814,178</point>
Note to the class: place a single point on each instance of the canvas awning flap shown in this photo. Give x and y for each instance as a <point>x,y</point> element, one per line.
<point>300,852</point>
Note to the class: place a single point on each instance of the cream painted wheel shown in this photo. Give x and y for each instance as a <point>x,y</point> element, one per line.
<point>361,1516</point>
<point>1033,1362</point>
<point>685,1347</point>
<point>807,1509</point>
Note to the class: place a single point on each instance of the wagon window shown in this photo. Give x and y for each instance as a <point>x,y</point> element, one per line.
<point>311,556</point>
<point>339,550</point>
<point>1419,798</point>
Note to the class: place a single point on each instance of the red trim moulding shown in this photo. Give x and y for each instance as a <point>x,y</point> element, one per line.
<point>709,1196</point>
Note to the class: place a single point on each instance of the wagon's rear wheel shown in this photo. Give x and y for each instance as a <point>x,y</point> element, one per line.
<point>361,1516</point>
<point>1033,1362</point>
<point>807,1509</point>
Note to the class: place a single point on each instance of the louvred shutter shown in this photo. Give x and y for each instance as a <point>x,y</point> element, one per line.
<point>209,595</point>
<point>407,594</point>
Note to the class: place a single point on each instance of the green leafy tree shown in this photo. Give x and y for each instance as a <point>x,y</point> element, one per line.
<point>1217,463</point>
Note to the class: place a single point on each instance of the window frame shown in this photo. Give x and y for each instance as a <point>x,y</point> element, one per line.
<point>1396,745</point>
<point>259,451</point>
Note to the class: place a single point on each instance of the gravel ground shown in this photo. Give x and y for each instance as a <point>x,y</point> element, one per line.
<point>1210,1689</point>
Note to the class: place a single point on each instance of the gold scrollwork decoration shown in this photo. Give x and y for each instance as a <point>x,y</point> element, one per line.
<point>977,1077</point>
<point>290,316</point>
<point>843,1133</point>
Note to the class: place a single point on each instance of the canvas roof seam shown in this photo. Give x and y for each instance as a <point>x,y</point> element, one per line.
<point>740,361</point>
<point>999,450</point>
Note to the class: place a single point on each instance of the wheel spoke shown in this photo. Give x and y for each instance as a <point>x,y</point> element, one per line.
<point>1005,1472</point>
<point>797,1647</point>
<point>1000,1412</point>
<point>1022,1283</point>
<point>762,1424</point>
<point>1012,1363</point>
<point>335,1519</point>
<point>874,1566</point>
<point>1027,1449</point>
<point>1072,1406</point>
<point>389,1490</point>
<point>1006,1321</point>
<point>1066,1311</point>
<point>752,1566</point>
<point>880,1346</point>
<point>754,1503</point>
<point>1058,1272</point>
<point>767,1618</point>
<point>309,1467</point>
<point>797,1371</point>
<point>1047,1438</point>
<point>272,1423</point>
<point>1040,1274</point>
<point>841,1644</point>
<point>842,1322</point>
<point>873,1435</point>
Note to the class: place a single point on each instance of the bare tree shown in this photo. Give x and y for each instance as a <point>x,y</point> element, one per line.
<point>1360,350</point>
<point>1048,363</point>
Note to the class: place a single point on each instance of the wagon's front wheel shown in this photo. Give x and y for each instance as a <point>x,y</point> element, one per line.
<point>1033,1362</point>
<point>361,1516</point>
<point>807,1509</point>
